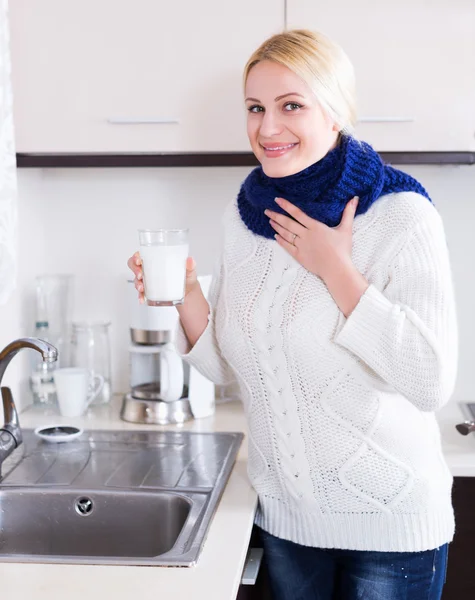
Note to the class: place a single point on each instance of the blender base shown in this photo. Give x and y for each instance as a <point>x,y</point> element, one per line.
<point>155,412</point>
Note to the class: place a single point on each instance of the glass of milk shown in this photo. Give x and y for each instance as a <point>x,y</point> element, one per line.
<point>164,253</point>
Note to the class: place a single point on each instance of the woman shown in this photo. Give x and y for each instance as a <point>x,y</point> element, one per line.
<point>333,308</point>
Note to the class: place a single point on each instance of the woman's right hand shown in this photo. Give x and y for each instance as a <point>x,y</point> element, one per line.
<point>135,264</point>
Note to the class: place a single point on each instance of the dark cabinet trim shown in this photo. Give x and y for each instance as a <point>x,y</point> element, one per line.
<point>214,159</point>
<point>460,573</point>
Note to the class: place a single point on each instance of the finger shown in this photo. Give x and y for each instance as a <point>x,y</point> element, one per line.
<point>139,285</point>
<point>131,263</point>
<point>137,271</point>
<point>289,236</point>
<point>295,212</point>
<point>349,214</point>
<point>287,222</point>
<point>291,249</point>
<point>135,264</point>
<point>190,271</point>
<point>190,264</point>
<point>139,265</point>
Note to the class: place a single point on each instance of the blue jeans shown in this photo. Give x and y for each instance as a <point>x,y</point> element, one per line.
<point>304,573</point>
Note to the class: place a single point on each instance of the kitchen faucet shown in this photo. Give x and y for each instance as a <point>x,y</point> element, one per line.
<point>10,433</point>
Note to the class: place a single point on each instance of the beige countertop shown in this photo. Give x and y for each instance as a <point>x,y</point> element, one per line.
<point>217,574</point>
<point>218,571</point>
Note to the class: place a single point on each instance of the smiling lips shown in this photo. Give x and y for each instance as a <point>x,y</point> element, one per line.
<point>277,149</point>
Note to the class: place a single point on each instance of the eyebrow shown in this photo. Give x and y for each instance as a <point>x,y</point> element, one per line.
<point>278,97</point>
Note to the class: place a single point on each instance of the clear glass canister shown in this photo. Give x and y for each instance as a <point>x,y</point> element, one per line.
<point>53,313</point>
<point>90,349</point>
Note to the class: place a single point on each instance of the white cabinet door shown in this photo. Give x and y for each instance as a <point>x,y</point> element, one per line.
<point>414,63</point>
<point>134,76</point>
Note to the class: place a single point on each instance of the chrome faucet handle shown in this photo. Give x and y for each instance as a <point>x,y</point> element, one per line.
<point>10,434</point>
<point>10,416</point>
<point>47,351</point>
<point>466,427</point>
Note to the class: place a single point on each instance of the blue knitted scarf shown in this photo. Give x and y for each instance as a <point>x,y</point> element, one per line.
<point>322,190</point>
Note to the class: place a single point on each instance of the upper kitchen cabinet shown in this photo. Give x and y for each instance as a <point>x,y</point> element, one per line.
<point>134,76</point>
<point>414,63</point>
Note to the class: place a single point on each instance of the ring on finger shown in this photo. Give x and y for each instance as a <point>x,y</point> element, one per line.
<point>294,238</point>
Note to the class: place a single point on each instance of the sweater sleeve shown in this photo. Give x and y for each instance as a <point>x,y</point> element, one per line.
<point>407,333</point>
<point>205,355</point>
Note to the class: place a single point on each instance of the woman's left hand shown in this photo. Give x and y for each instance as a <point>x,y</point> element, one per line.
<point>313,244</point>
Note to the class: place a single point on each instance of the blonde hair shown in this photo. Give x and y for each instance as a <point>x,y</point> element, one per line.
<point>322,64</point>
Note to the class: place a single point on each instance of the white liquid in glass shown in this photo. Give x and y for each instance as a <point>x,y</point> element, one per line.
<point>164,271</point>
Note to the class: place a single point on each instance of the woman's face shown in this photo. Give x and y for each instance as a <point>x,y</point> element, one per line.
<point>286,126</point>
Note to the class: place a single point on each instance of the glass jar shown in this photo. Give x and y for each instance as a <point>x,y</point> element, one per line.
<point>53,309</point>
<point>90,349</point>
<point>42,384</point>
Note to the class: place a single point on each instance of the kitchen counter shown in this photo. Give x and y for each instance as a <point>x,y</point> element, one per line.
<point>217,574</point>
<point>218,571</point>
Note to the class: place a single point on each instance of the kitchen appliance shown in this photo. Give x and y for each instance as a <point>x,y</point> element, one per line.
<point>163,388</point>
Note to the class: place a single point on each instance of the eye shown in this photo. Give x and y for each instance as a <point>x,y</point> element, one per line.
<point>291,106</point>
<point>255,108</point>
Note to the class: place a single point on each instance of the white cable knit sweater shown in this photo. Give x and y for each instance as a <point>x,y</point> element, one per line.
<point>344,449</point>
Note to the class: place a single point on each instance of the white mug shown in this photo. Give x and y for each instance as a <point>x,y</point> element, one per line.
<point>171,373</point>
<point>73,390</point>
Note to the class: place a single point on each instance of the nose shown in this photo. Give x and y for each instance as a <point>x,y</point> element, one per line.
<point>270,124</point>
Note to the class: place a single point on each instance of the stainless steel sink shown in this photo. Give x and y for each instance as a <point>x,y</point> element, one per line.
<point>92,523</point>
<point>113,497</point>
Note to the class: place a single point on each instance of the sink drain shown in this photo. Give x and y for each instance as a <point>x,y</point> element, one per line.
<point>84,506</point>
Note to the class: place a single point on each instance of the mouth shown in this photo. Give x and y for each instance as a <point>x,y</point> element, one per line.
<point>276,150</point>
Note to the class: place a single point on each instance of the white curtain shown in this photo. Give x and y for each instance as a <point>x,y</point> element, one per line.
<point>8,187</point>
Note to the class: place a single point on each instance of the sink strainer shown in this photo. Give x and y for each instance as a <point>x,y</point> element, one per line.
<point>83,506</point>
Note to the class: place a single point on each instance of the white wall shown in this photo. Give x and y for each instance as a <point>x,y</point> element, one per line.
<point>84,221</point>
